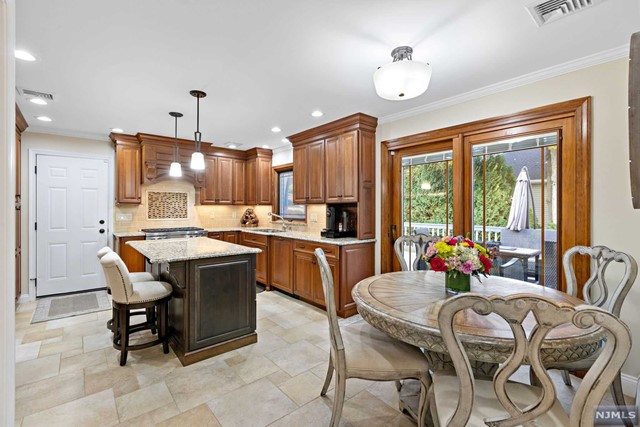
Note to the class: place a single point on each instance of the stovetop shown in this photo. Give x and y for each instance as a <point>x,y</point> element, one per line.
<point>171,230</point>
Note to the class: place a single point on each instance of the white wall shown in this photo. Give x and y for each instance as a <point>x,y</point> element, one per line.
<point>7,213</point>
<point>614,222</point>
<point>282,157</point>
<point>61,144</point>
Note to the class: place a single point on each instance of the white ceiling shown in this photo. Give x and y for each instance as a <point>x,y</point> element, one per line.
<point>124,63</point>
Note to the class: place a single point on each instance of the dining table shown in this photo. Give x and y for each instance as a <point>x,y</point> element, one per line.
<point>405,305</point>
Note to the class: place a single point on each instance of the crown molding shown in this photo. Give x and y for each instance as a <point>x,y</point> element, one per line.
<point>546,73</point>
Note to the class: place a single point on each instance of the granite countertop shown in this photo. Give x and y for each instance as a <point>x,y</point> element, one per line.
<point>298,235</point>
<point>170,250</point>
<point>130,234</point>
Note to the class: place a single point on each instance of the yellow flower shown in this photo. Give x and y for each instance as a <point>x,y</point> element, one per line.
<point>444,250</point>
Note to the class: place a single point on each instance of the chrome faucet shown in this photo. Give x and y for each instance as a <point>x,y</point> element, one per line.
<point>284,224</point>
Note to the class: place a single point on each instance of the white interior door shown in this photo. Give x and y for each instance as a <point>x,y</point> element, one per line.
<point>71,218</point>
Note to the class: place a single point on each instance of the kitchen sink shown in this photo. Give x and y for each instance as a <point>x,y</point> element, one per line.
<point>271,230</point>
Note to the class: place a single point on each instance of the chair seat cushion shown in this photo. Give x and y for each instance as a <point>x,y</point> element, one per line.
<point>373,353</point>
<point>142,277</point>
<point>486,404</point>
<point>148,291</point>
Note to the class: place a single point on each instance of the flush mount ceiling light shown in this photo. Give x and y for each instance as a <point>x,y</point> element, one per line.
<point>197,158</point>
<point>175,169</point>
<point>24,55</point>
<point>403,78</point>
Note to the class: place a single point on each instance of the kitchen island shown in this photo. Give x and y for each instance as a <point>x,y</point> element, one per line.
<point>213,304</point>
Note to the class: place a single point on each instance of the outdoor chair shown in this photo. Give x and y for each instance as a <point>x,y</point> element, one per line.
<point>503,402</point>
<point>420,242</point>
<point>362,351</point>
<point>596,292</point>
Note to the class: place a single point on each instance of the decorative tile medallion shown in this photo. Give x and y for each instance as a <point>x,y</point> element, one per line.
<point>167,205</point>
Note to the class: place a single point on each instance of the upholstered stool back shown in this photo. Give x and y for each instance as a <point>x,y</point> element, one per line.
<point>117,276</point>
<point>102,252</point>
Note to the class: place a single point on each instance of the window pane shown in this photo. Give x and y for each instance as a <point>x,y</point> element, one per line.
<point>286,208</point>
<point>515,205</point>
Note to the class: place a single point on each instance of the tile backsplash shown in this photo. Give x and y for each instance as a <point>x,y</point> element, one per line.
<point>205,216</point>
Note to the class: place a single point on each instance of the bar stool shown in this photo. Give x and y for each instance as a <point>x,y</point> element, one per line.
<point>134,277</point>
<point>128,296</point>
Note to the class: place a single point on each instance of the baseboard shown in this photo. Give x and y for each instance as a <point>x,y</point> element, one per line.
<point>629,385</point>
<point>25,298</point>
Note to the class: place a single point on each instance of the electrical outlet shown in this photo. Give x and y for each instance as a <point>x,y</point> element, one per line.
<point>124,217</point>
<point>313,217</point>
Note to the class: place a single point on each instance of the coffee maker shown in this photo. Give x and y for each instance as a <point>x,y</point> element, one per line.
<point>340,223</point>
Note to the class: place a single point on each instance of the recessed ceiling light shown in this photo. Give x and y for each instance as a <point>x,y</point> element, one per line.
<point>44,119</point>
<point>38,101</point>
<point>275,129</point>
<point>232,146</point>
<point>285,140</point>
<point>265,146</point>
<point>24,55</point>
<point>317,113</point>
<point>117,130</point>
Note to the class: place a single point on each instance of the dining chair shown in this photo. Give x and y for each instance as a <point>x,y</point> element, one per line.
<point>128,296</point>
<point>596,291</point>
<point>362,351</point>
<point>420,242</point>
<point>459,399</point>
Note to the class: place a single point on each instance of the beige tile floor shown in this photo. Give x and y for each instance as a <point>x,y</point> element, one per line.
<point>67,374</point>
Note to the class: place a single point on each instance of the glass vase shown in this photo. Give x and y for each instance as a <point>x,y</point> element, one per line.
<point>457,282</point>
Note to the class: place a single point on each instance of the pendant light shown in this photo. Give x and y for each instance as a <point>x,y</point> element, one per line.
<point>403,78</point>
<point>175,170</point>
<point>197,158</point>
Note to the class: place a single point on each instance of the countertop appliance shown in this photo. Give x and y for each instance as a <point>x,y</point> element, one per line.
<point>173,233</point>
<point>339,223</point>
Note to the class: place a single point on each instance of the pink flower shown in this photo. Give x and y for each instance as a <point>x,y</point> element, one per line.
<point>467,267</point>
<point>431,251</point>
<point>446,239</point>
<point>453,242</point>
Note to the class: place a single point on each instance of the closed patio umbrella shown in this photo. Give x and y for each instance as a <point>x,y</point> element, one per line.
<point>520,203</point>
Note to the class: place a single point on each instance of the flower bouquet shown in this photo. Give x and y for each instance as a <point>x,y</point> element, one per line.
<point>459,259</point>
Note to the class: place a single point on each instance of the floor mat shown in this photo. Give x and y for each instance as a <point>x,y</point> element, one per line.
<point>70,305</point>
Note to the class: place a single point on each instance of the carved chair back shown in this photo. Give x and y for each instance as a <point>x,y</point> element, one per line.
<point>337,346</point>
<point>547,316</point>
<point>596,290</point>
<point>117,276</point>
<point>420,242</point>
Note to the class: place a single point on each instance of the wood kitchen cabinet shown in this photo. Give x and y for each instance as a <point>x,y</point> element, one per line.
<point>281,263</point>
<point>262,259</point>
<point>133,259</point>
<point>226,236</point>
<point>218,181</point>
<point>308,172</point>
<point>341,171</point>
<point>128,170</point>
<point>348,174</point>
<point>238,192</point>
<point>258,177</point>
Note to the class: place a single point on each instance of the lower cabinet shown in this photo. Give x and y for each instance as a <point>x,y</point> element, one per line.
<point>227,236</point>
<point>281,263</point>
<point>133,259</point>
<point>262,259</point>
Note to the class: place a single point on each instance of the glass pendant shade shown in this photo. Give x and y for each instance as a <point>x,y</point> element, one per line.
<point>197,161</point>
<point>403,78</point>
<point>175,170</point>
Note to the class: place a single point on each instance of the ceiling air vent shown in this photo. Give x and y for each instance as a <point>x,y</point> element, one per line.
<point>552,10</point>
<point>28,93</point>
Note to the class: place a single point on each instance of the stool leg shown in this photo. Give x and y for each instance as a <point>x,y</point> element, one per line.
<point>163,328</point>
<point>115,326</point>
<point>124,335</point>
<point>151,319</point>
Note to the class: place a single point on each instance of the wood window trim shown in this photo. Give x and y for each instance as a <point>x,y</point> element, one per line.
<point>571,118</point>
<point>287,167</point>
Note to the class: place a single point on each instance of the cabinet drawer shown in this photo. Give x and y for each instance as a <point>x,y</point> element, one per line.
<point>255,238</point>
<point>330,251</point>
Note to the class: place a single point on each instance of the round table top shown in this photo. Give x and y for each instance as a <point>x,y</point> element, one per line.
<point>405,305</point>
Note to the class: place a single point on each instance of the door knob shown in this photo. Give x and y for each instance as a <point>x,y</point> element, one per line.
<point>101,231</point>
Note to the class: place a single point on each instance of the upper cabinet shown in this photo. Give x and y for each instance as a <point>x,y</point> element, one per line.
<point>227,178</point>
<point>128,173</point>
<point>335,163</point>
<point>258,177</point>
<point>308,172</point>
